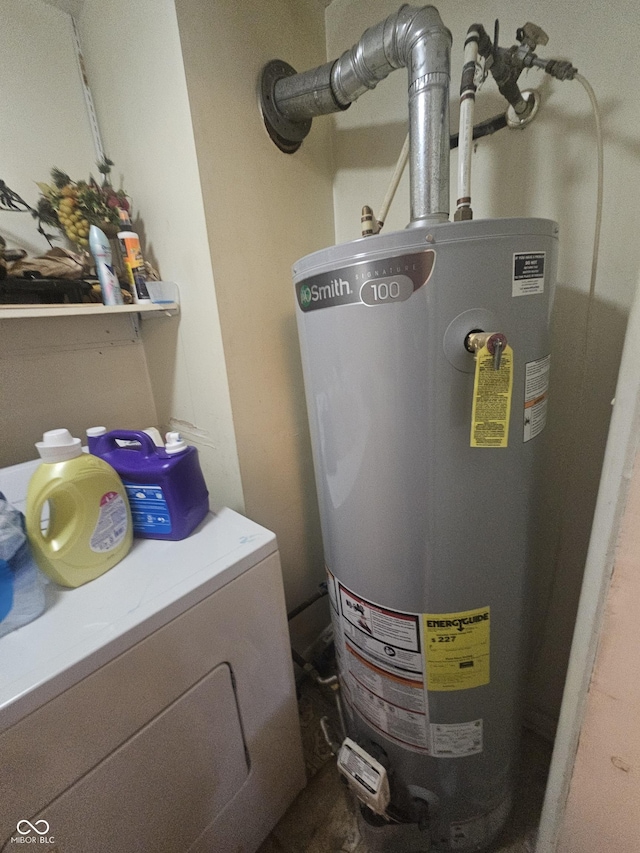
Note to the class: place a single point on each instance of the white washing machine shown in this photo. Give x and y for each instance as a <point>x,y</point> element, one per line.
<point>153,710</point>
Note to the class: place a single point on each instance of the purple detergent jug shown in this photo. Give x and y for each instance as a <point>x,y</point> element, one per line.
<point>165,486</point>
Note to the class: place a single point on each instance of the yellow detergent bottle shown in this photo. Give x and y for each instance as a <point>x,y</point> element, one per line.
<point>89,528</point>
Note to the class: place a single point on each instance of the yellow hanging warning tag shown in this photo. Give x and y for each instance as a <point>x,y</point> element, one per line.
<point>492,389</point>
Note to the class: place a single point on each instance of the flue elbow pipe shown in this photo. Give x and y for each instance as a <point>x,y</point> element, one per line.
<point>414,38</point>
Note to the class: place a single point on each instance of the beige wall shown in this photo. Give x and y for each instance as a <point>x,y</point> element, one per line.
<point>603,806</point>
<point>224,214</point>
<point>136,73</point>
<point>264,210</point>
<point>72,372</point>
<point>44,119</point>
<point>547,170</point>
<point>61,372</point>
<point>592,790</point>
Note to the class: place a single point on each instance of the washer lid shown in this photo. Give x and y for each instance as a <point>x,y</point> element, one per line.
<point>84,628</point>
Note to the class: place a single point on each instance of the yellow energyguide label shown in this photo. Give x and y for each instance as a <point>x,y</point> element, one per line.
<point>457,649</point>
<point>492,391</point>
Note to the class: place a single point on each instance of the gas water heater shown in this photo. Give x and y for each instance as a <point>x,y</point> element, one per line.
<point>427,512</point>
<point>426,363</point>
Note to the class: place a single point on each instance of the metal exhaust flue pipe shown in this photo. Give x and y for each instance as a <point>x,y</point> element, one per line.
<point>414,38</point>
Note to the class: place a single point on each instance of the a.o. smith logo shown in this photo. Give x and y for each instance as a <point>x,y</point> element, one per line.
<point>369,282</point>
<point>337,287</point>
<point>305,296</point>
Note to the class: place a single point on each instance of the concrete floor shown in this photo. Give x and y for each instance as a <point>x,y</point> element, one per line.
<point>323,819</point>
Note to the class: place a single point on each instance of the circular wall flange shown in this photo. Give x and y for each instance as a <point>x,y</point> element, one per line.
<point>286,134</point>
<point>514,121</point>
<point>475,319</point>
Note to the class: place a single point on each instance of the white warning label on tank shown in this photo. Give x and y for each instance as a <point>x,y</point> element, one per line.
<point>331,589</point>
<point>388,638</point>
<point>536,393</point>
<point>455,740</point>
<point>400,692</point>
<point>528,273</point>
<point>394,706</point>
<point>382,663</point>
<point>336,621</point>
<point>400,630</point>
<point>394,659</point>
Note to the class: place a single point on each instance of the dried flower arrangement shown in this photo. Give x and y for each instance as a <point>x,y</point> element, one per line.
<point>73,206</point>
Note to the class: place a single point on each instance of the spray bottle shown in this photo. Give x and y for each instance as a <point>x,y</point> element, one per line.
<point>133,260</point>
<point>101,251</point>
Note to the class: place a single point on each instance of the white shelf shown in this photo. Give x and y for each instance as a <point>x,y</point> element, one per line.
<point>147,309</point>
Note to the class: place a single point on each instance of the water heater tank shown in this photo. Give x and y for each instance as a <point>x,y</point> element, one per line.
<point>427,518</point>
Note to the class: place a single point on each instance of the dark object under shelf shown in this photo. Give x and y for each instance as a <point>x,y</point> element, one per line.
<point>43,291</point>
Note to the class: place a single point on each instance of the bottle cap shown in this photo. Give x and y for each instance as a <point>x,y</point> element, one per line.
<point>125,219</point>
<point>175,443</point>
<point>94,432</point>
<point>154,435</point>
<point>58,445</point>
